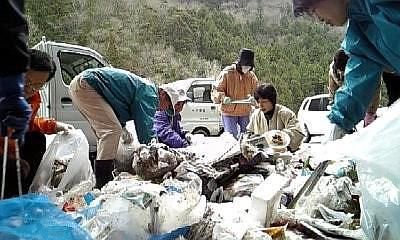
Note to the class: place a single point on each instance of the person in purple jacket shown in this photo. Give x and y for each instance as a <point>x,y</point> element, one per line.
<point>167,123</point>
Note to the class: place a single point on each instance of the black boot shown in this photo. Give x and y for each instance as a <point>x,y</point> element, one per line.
<point>103,172</point>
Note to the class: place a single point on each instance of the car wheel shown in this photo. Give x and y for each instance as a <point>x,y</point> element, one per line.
<point>203,131</point>
<point>307,139</point>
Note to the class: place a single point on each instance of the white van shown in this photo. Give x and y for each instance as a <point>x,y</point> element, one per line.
<point>200,115</point>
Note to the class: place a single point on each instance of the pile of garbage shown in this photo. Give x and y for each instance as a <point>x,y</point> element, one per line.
<point>346,189</point>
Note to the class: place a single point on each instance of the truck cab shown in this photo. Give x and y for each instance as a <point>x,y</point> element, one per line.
<point>56,103</point>
<point>200,115</point>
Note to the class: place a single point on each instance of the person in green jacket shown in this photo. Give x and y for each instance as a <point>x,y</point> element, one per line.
<point>108,98</point>
<point>372,44</point>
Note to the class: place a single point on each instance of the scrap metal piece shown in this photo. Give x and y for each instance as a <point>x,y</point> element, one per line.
<point>310,183</point>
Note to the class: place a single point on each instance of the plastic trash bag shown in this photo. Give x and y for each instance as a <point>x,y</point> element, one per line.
<point>173,235</point>
<point>125,152</point>
<point>376,150</point>
<point>65,163</point>
<point>34,216</point>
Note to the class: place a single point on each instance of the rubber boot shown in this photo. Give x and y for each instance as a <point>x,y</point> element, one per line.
<point>103,172</point>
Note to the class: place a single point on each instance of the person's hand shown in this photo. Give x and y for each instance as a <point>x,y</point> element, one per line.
<point>126,136</point>
<point>227,100</point>
<point>369,118</point>
<point>189,138</point>
<point>253,101</point>
<point>15,112</point>
<point>64,127</point>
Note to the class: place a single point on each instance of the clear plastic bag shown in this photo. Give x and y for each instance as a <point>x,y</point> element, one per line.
<point>64,164</point>
<point>125,152</point>
<point>376,150</point>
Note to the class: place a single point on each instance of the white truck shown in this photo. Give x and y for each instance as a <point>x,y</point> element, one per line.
<point>199,116</point>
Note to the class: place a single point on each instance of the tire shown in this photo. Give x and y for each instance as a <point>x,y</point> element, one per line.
<point>203,131</point>
<point>307,139</point>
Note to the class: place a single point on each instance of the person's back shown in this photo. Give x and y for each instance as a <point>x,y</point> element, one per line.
<point>130,96</point>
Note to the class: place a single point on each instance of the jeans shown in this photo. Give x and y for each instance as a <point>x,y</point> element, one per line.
<point>231,124</point>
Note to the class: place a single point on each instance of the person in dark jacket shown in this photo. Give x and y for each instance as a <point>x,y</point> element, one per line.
<point>14,110</point>
<point>108,98</point>
<point>167,124</point>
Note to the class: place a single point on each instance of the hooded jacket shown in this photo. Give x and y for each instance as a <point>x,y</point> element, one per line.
<point>130,96</point>
<point>336,82</point>
<point>169,130</point>
<point>282,119</point>
<point>167,127</point>
<point>372,43</point>
<point>237,86</point>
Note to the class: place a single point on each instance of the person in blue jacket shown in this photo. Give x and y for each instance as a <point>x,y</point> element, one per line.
<point>167,124</point>
<point>108,98</point>
<point>372,44</point>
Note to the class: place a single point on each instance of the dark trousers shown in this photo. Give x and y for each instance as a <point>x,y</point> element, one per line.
<point>31,154</point>
<point>392,83</point>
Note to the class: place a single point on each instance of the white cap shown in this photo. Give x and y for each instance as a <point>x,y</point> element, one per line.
<point>176,95</point>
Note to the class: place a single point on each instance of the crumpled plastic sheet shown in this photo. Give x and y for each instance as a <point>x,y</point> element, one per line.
<point>220,222</point>
<point>243,186</point>
<point>232,225</point>
<point>332,192</point>
<point>212,149</point>
<point>132,209</point>
<point>155,160</point>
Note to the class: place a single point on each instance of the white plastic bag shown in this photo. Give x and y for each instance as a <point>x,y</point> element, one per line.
<point>376,150</point>
<point>124,157</point>
<point>68,150</point>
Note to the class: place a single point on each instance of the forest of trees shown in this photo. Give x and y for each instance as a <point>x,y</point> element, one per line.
<point>172,42</point>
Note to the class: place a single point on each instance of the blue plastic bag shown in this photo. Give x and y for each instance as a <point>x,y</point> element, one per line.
<point>34,216</point>
<point>183,231</point>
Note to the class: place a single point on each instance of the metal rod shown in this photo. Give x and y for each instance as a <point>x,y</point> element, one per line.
<point>310,183</point>
<point>18,165</point>
<point>3,177</point>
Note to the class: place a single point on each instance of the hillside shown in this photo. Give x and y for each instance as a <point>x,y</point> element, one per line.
<point>176,39</point>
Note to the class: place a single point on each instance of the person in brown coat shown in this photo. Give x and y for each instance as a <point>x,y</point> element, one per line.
<point>236,82</point>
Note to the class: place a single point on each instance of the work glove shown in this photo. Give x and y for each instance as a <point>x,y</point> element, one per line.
<point>189,138</point>
<point>227,100</point>
<point>335,132</point>
<point>126,136</point>
<point>64,127</point>
<point>15,112</point>
<point>369,118</point>
<point>253,101</point>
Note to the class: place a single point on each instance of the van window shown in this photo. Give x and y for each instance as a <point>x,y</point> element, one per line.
<point>324,105</point>
<point>315,105</point>
<point>200,93</point>
<point>74,63</point>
